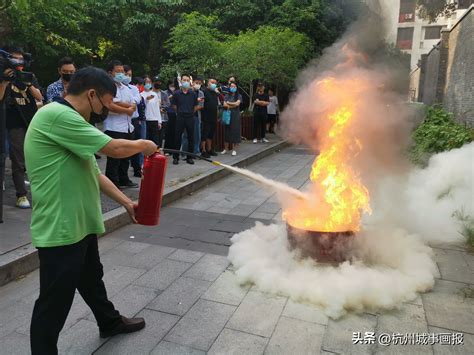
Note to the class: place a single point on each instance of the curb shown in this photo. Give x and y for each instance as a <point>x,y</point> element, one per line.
<point>25,259</point>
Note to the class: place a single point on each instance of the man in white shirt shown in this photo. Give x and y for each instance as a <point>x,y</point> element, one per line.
<point>118,125</point>
<point>152,97</point>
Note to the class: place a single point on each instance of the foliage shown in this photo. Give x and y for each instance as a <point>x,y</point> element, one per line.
<point>467,226</point>
<point>437,133</point>
<point>432,9</point>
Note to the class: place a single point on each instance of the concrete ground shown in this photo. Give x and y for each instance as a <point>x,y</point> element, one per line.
<point>177,276</point>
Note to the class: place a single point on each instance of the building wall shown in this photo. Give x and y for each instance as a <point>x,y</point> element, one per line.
<point>414,90</point>
<point>430,67</point>
<point>458,95</point>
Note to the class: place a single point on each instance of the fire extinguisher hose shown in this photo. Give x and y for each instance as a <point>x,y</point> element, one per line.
<point>197,156</point>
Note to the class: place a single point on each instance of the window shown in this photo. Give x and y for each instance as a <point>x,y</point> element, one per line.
<point>433,32</point>
<point>464,4</point>
<point>407,11</point>
<point>405,38</point>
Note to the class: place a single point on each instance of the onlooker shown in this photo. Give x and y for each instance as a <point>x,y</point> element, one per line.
<point>65,185</point>
<point>136,160</point>
<point>197,119</point>
<point>57,90</point>
<point>272,110</point>
<point>232,134</point>
<point>261,101</point>
<point>171,113</point>
<point>164,105</point>
<point>152,113</point>
<point>118,125</point>
<point>209,118</point>
<point>20,99</point>
<point>185,103</point>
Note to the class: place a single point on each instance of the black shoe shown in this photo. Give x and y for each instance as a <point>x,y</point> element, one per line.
<point>213,153</point>
<point>175,161</point>
<point>137,173</point>
<point>190,161</point>
<point>127,325</point>
<point>205,155</point>
<point>129,184</point>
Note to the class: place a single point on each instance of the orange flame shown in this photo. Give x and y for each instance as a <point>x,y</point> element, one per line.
<point>342,196</point>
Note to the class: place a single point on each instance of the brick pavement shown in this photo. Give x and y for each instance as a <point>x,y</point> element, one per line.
<point>182,284</point>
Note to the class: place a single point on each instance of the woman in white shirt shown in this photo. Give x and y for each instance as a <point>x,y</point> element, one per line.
<point>272,110</point>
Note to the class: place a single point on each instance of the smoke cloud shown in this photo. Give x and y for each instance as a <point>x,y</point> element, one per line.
<point>390,261</point>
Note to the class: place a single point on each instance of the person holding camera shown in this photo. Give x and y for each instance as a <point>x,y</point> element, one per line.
<point>20,98</point>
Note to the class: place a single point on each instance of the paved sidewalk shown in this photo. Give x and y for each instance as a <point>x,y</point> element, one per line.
<point>177,276</point>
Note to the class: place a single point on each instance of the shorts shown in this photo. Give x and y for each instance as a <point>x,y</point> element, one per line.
<point>208,128</point>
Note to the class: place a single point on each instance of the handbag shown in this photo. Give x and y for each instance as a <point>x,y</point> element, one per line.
<point>226,117</point>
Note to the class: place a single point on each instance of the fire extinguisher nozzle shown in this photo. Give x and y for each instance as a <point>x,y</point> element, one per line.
<point>216,163</point>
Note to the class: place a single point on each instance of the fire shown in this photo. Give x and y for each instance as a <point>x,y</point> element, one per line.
<point>341,195</point>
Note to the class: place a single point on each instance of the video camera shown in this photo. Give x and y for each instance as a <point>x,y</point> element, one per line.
<point>7,61</point>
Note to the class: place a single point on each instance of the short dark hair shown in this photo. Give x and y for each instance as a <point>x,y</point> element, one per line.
<point>112,64</point>
<point>64,61</point>
<point>182,76</point>
<point>13,49</point>
<point>127,67</point>
<point>91,78</point>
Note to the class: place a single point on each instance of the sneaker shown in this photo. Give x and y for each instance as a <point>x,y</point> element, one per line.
<point>175,161</point>
<point>190,161</point>
<point>224,152</point>
<point>213,153</point>
<point>234,153</point>
<point>264,140</point>
<point>205,155</point>
<point>27,183</point>
<point>126,325</point>
<point>23,203</point>
<point>255,141</point>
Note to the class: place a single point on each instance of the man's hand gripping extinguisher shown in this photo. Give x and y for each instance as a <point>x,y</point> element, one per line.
<point>151,190</point>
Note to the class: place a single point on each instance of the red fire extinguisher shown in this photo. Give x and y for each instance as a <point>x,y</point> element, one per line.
<point>151,190</point>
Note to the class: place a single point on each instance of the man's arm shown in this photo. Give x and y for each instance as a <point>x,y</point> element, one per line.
<point>36,93</point>
<point>121,107</point>
<point>3,88</point>
<point>124,148</point>
<point>109,189</point>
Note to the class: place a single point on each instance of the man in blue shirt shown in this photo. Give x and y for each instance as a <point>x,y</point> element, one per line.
<point>56,90</point>
<point>185,103</point>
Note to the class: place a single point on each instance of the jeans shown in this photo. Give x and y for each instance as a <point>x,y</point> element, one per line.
<point>63,270</point>
<point>197,137</point>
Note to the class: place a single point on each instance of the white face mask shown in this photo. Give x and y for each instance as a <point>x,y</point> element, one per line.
<point>197,86</point>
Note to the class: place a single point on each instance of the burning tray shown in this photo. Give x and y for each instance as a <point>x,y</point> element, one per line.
<point>324,247</point>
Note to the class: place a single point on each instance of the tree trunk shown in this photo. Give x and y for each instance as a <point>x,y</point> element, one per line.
<point>251,97</point>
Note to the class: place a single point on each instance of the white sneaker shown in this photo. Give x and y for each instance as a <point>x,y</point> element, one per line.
<point>234,153</point>
<point>22,202</point>
<point>255,141</point>
<point>27,183</point>
<point>264,140</point>
<point>224,152</point>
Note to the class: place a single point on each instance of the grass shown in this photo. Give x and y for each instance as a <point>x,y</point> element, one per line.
<point>467,226</point>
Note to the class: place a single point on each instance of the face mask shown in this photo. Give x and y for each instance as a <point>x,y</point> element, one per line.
<point>197,87</point>
<point>147,87</point>
<point>213,87</point>
<point>119,77</point>
<point>66,77</point>
<point>98,117</point>
<point>157,86</point>
<point>126,80</point>
<point>185,84</point>
<point>233,90</point>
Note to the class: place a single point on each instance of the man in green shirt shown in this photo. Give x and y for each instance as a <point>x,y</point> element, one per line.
<point>65,186</point>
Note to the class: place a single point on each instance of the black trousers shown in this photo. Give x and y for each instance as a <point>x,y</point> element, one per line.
<point>117,169</point>
<point>17,141</point>
<point>63,270</point>
<point>184,122</point>
<point>259,124</point>
<point>135,159</point>
<point>152,132</point>
<point>170,131</point>
<point>162,134</point>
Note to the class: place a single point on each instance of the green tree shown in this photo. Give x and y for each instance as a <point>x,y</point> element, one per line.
<point>431,9</point>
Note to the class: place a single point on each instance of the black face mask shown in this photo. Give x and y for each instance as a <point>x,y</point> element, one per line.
<point>157,86</point>
<point>98,117</point>
<point>66,77</point>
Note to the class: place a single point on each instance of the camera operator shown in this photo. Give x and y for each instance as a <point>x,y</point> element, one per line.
<point>20,100</point>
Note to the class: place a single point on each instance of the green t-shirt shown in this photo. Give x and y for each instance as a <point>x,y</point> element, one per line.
<point>59,154</point>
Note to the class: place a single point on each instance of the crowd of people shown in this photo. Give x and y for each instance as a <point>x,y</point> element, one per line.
<point>181,115</point>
